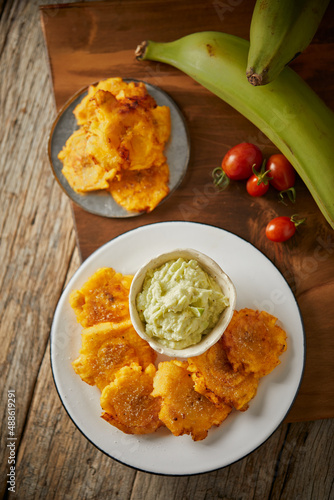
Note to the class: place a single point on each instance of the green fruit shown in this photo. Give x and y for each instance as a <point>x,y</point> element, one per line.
<point>292,116</point>
<point>280,30</point>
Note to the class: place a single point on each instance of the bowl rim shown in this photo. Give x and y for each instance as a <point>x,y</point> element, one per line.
<point>215,271</point>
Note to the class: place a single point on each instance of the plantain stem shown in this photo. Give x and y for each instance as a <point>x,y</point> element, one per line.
<point>140,51</point>
<point>254,78</point>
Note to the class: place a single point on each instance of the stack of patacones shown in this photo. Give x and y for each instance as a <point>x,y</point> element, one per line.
<point>119,146</point>
<point>187,397</point>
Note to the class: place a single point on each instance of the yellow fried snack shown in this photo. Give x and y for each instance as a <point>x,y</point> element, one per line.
<point>103,298</point>
<point>127,401</point>
<point>253,342</point>
<point>126,132</point>
<point>81,171</point>
<point>215,378</point>
<point>85,111</point>
<point>140,190</point>
<point>106,348</point>
<point>162,123</point>
<point>103,133</point>
<point>183,410</point>
<point>121,130</point>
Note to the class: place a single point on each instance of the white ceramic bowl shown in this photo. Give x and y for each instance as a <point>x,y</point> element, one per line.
<point>212,268</point>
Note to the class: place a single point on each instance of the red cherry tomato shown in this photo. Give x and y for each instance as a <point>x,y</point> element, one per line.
<point>239,160</point>
<point>256,188</point>
<point>282,228</point>
<point>281,171</point>
<point>258,183</point>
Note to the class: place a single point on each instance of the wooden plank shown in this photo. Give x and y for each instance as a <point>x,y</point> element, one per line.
<point>83,48</point>
<point>35,246</point>
<point>273,471</point>
<point>38,257</point>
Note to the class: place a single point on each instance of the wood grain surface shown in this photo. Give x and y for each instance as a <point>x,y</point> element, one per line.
<point>39,255</point>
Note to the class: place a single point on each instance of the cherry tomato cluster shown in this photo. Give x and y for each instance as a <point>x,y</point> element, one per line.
<point>245,161</point>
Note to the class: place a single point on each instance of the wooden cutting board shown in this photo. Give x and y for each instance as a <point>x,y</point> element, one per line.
<point>87,42</point>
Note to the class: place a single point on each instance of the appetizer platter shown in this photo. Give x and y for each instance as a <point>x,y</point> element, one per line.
<point>241,432</point>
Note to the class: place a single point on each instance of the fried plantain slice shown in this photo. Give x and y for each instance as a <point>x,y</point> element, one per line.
<point>125,133</point>
<point>80,170</point>
<point>140,190</point>
<point>183,410</point>
<point>103,298</point>
<point>127,402</point>
<point>85,110</point>
<point>215,378</point>
<point>106,348</point>
<point>253,342</point>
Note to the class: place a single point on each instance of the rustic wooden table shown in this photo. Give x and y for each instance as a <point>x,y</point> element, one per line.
<point>39,254</point>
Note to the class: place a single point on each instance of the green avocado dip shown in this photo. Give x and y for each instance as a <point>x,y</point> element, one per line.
<point>179,303</point>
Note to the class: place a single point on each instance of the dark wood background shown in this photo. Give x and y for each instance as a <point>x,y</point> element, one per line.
<point>41,243</point>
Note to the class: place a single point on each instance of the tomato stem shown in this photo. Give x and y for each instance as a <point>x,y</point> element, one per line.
<point>220,179</point>
<point>297,222</point>
<point>291,194</point>
<point>263,177</point>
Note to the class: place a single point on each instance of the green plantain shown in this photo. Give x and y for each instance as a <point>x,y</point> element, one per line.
<point>292,116</point>
<point>280,30</point>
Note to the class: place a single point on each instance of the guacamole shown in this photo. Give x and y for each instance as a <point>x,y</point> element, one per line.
<point>179,303</point>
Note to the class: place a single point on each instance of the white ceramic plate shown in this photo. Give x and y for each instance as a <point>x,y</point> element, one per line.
<point>259,286</point>
<point>101,203</point>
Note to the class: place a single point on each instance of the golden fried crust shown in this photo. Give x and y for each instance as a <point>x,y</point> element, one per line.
<point>80,170</point>
<point>106,348</point>
<point>126,131</point>
<point>183,410</point>
<point>162,123</point>
<point>122,130</point>
<point>103,298</point>
<point>215,378</point>
<point>141,190</point>
<point>85,110</point>
<point>127,401</point>
<point>253,342</point>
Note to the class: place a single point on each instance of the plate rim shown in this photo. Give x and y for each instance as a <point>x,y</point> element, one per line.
<point>91,257</point>
<point>70,101</point>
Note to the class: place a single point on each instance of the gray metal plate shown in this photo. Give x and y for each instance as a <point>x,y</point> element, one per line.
<point>101,203</point>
